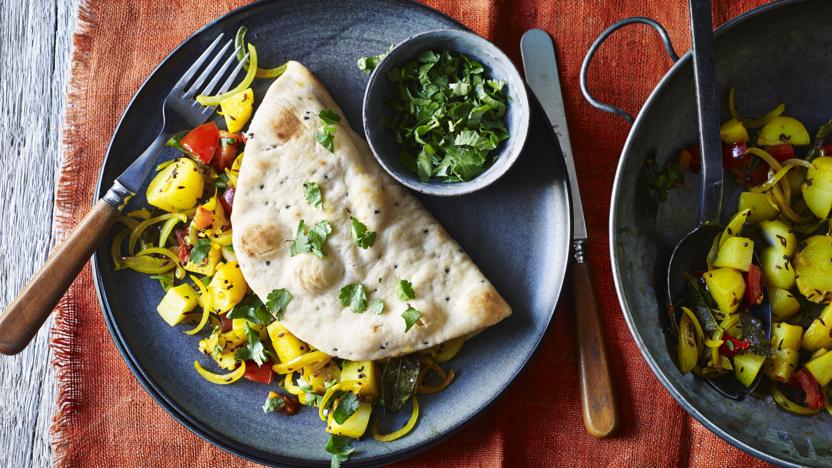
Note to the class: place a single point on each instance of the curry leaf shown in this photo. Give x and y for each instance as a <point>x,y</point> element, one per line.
<point>398,381</point>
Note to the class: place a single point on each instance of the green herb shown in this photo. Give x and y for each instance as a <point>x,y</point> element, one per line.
<point>405,290</point>
<point>277,301</point>
<point>313,194</point>
<point>347,405</point>
<point>311,241</point>
<point>254,349</point>
<point>251,309</point>
<point>273,404</point>
<point>369,63</point>
<point>165,279</point>
<point>339,447</point>
<point>174,142</point>
<point>410,316</point>
<point>376,306</point>
<point>311,398</point>
<point>326,134</point>
<point>363,238</point>
<point>354,297</point>
<point>398,381</point>
<point>228,141</point>
<point>221,181</point>
<point>199,252</point>
<point>449,118</point>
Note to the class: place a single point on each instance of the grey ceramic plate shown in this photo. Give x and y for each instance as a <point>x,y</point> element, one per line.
<point>516,230</point>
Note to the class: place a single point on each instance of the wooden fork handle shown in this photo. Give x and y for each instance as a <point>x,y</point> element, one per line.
<point>27,312</point>
<point>597,393</point>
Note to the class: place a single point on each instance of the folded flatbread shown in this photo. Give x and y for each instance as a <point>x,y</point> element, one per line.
<point>281,154</point>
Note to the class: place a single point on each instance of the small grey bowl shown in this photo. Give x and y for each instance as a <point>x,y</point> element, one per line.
<point>377,107</point>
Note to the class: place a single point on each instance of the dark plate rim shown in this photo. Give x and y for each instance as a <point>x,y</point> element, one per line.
<point>688,405</point>
<point>222,441</point>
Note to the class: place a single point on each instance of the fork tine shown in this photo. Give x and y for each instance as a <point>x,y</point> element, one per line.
<point>208,69</point>
<point>233,76</point>
<point>196,66</point>
<point>207,90</point>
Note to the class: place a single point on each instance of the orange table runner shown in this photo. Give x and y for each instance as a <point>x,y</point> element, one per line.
<point>105,418</point>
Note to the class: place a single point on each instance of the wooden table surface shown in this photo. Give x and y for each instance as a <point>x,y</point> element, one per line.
<point>35,48</point>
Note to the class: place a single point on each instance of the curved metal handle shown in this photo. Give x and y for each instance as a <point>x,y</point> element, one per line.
<point>668,46</point>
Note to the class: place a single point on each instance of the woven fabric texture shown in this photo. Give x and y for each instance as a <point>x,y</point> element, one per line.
<point>105,418</point>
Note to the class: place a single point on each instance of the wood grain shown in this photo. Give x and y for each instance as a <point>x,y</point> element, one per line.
<point>597,392</point>
<point>35,42</point>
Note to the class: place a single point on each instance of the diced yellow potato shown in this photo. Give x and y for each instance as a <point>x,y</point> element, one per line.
<point>783,130</point>
<point>781,365</point>
<point>727,287</point>
<point>817,189</point>
<point>817,335</point>
<point>366,373</point>
<point>176,187</point>
<point>746,367</point>
<point>228,287</point>
<point>779,234</point>
<point>355,425</point>
<point>285,344</point>
<point>318,378</point>
<point>813,267</point>
<point>208,268</point>
<point>237,110</point>
<point>733,131</point>
<point>177,302</point>
<point>735,252</point>
<point>821,368</point>
<point>783,304</point>
<point>759,206</point>
<point>786,336</point>
<point>777,269</point>
<point>238,326</point>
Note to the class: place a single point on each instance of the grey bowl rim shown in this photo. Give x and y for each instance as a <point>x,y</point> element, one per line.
<point>615,198</point>
<point>514,145</point>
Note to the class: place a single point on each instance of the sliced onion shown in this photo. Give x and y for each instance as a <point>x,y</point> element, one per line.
<point>221,379</point>
<point>411,423</point>
<point>211,101</point>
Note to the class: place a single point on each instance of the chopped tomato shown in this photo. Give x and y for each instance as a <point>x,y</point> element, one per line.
<point>696,159</point>
<point>261,374</point>
<point>227,200</point>
<point>781,152</point>
<point>826,150</point>
<point>203,218</point>
<point>754,176</point>
<point>202,142</point>
<point>754,285</point>
<point>228,149</point>
<point>806,382</point>
<point>184,248</point>
<point>731,346</point>
<point>734,156</point>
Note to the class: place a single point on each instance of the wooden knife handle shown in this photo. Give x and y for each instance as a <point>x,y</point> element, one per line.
<point>597,393</point>
<point>25,315</point>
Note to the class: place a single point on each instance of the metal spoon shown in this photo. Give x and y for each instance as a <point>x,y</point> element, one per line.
<point>691,252</point>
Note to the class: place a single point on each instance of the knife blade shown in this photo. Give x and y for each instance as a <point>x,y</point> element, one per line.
<point>597,393</point>
<point>541,70</point>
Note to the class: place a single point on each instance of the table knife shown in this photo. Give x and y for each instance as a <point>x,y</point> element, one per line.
<point>597,394</point>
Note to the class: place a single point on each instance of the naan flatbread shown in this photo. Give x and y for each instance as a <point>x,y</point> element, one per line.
<point>282,153</point>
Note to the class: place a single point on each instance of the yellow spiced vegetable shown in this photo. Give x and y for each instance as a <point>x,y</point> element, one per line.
<point>366,374</point>
<point>228,287</point>
<point>177,302</point>
<point>237,110</point>
<point>176,187</point>
<point>783,130</point>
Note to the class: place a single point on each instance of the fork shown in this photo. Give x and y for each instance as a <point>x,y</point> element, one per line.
<point>27,312</point>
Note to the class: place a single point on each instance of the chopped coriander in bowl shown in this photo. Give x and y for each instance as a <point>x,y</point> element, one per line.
<point>445,112</point>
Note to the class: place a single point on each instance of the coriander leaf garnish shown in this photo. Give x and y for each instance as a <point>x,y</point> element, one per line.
<point>363,238</point>
<point>311,241</point>
<point>165,279</point>
<point>326,134</point>
<point>254,349</point>
<point>313,194</point>
<point>273,403</point>
<point>448,117</point>
<point>376,306</point>
<point>199,252</point>
<point>354,297</point>
<point>276,302</point>
<point>368,64</point>
<point>404,289</point>
<point>339,447</point>
<point>251,309</point>
<point>410,316</point>
<point>346,407</point>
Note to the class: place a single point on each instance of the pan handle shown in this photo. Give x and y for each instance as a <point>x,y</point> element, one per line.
<point>668,46</point>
